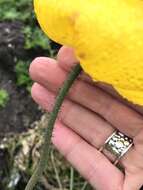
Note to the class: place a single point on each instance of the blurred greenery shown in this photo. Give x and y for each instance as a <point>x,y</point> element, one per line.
<point>4,98</point>
<point>17,10</point>
<point>22,75</point>
<point>22,10</point>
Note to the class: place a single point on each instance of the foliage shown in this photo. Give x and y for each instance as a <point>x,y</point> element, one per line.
<point>4,98</point>
<point>34,37</point>
<point>16,10</point>
<point>22,10</point>
<point>22,75</point>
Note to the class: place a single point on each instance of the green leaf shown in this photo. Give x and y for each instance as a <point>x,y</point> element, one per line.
<point>4,98</point>
<point>22,74</point>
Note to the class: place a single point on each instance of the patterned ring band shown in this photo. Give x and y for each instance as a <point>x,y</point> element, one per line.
<point>117,144</point>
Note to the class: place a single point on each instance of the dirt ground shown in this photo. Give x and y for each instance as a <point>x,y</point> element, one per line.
<point>21,110</point>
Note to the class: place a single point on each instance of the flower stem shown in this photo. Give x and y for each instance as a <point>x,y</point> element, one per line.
<point>48,133</point>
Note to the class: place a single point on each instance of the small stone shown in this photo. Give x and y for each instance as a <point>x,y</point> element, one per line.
<point>122,139</point>
<point>122,135</point>
<point>119,144</point>
<point>115,139</point>
<point>120,150</point>
<point>126,143</point>
<point>111,142</point>
<point>115,151</point>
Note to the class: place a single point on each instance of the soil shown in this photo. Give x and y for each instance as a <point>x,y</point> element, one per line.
<point>20,112</point>
<point>11,44</point>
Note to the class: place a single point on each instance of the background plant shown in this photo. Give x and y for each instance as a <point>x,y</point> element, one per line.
<point>22,75</point>
<point>35,39</point>
<point>4,98</point>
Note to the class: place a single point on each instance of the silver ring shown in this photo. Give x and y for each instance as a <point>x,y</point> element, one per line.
<point>117,144</point>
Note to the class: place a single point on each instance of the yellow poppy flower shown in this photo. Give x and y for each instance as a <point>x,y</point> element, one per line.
<point>107,37</point>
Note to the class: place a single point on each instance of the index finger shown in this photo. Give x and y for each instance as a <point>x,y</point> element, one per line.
<point>45,72</point>
<point>67,60</point>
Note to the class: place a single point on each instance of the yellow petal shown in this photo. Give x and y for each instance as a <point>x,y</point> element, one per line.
<point>106,35</point>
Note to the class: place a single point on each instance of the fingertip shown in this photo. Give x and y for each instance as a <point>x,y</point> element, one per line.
<point>66,58</point>
<point>33,66</point>
<point>42,96</point>
<point>39,65</point>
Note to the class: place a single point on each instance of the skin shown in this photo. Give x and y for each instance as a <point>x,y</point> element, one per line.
<point>89,115</point>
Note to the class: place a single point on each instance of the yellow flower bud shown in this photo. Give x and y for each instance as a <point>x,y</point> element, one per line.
<point>107,37</point>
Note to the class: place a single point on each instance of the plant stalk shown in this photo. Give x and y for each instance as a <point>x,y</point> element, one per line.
<point>48,133</point>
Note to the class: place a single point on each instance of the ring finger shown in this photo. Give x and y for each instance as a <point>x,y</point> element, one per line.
<point>91,127</point>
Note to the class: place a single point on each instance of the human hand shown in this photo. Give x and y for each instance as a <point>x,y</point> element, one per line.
<point>88,117</point>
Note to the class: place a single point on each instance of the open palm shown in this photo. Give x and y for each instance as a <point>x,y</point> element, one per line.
<point>88,117</point>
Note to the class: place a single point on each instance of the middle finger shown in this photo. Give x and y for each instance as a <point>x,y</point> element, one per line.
<point>48,73</point>
<point>90,126</point>
<point>84,122</point>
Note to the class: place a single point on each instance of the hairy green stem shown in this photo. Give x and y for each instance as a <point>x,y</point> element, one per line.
<point>48,133</point>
